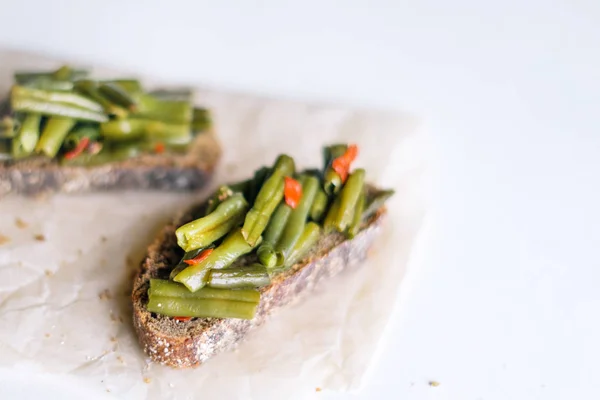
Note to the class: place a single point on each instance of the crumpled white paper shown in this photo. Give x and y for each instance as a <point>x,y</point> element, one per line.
<point>65,311</point>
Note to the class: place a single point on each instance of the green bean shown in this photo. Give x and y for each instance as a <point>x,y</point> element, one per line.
<point>28,136</point>
<point>295,223</point>
<point>74,137</point>
<point>131,129</point>
<point>373,203</point>
<point>182,265</point>
<point>165,288</point>
<point>50,84</point>
<point>211,236</point>
<point>310,236</point>
<point>115,93</point>
<point>254,275</point>
<point>267,254</point>
<point>53,135</point>
<point>75,74</point>
<point>222,193</point>
<point>348,198</point>
<point>329,223</point>
<point>269,196</point>
<point>65,98</point>
<point>91,89</point>
<point>29,105</point>
<point>201,120</point>
<point>357,217</point>
<point>201,308</point>
<point>332,183</point>
<point>234,246</point>
<point>196,231</point>
<point>260,175</point>
<point>131,86</point>
<point>108,154</point>
<point>176,112</point>
<point>8,127</point>
<point>183,94</point>
<point>319,206</point>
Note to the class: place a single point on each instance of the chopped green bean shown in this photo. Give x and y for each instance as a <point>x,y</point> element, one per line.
<point>255,275</point>
<point>115,93</point>
<point>332,183</point>
<point>165,288</point>
<point>190,235</point>
<point>310,236</point>
<point>92,90</point>
<point>267,254</point>
<point>201,120</point>
<point>65,98</point>
<point>53,135</point>
<point>373,203</point>
<point>357,217</point>
<point>201,308</point>
<point>8,127</point>
<point>295,223</point>
<point>349,196</point>
<point>29,133</point>
<point>176,112</point>
<point>329,222</point>
<point>29,105</point>
<point>234,246</point>
<point>182,94</point>
<point>319,206</point>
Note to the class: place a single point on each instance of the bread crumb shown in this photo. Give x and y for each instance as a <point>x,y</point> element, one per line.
<point>128,261</point>
<point>113,317</point>
<point>318,389</point>
<point>113,339</point>
<point>48,272</point>
<point>47,335</point>
<point>147,380</point>
<point>4,239</point>
<point>120,359</point>
<point>120,319</point>
<point>108,390</point>
<point>434,383</point>
<point>20,223</point>
<point>105,295</point>
<point>79,252</point>
<point>103,238</point>
<point>39,237</point>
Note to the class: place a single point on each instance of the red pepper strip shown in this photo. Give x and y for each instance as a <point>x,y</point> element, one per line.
<point>182,319</point>
<point>292,192</point>
<point>199,258</point>
<point>78,149</point>
<point>341,165</point>
<point>159,148</point>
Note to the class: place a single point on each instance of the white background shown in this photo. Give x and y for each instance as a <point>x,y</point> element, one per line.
<point>505,302</point>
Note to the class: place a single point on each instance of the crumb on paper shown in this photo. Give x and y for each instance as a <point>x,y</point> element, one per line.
<point>39,237</point>
<point>120,319</point>
<point>128,261</point>
<point>113,339</point>
<point>434,383</point>
<point>48,272</point>
<point>108,390</point>
<point>79,252</point>
<point>120,359</point>
<point>47,335</point>
<point>318,389</point>
<point>103,238</point>
<point>20,223</point>
<point>4,239</point>
<point>147,380</point>
<point>105,295</point>
<point>113,317</point>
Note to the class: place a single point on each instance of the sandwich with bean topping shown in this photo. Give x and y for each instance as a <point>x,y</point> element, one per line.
<point>221,268</point>
<point>64,131</point>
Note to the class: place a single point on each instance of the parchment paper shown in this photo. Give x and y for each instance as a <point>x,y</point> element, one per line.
<point>64,297</point>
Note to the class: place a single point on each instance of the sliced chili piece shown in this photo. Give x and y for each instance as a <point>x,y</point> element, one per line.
<point>292,192</point>
<point>159,148</point>
<point>78,149</point>
<point>341,165</point>
<point>182,319</point>
<point>199,258</point>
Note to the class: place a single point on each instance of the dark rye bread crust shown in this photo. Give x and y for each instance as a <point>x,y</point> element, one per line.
<point>189,344</point>
<point>187,171</point>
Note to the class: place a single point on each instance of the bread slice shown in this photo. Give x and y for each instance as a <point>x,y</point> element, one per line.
<point>185,171</point>
<point>189,344</point>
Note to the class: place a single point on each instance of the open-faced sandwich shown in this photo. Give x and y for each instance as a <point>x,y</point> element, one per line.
<point>63,131</point>
<point>222,267</point>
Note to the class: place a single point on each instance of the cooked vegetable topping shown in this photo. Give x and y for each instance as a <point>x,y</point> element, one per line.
<point>275,216</point>
<point>50,114</point>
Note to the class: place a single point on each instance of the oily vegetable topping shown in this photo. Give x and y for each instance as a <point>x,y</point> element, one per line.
<point>67,116</point>
<point>278,215</point>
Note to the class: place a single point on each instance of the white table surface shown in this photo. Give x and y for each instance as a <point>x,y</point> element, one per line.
<point>504,304</point>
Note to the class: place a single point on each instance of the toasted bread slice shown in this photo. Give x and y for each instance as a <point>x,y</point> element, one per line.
<point>178,171</point>
<point>190,343</point>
